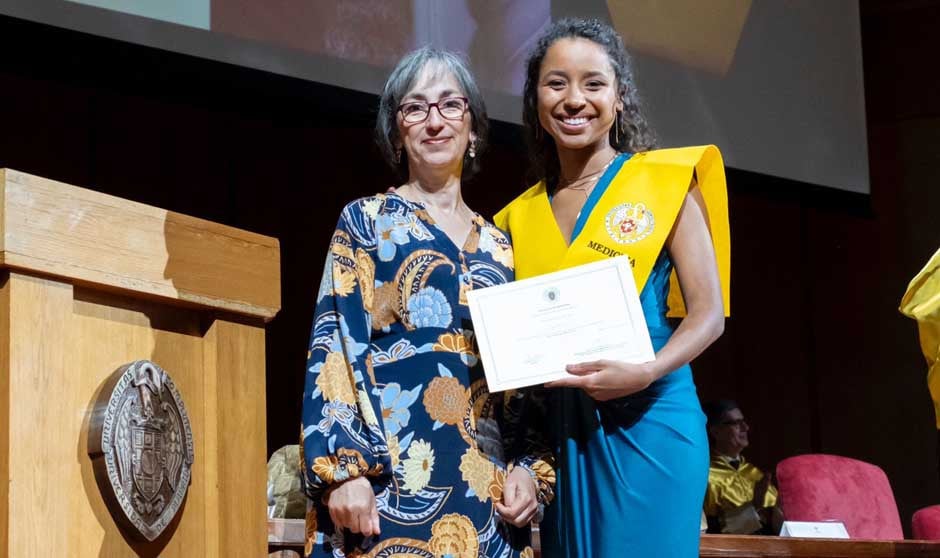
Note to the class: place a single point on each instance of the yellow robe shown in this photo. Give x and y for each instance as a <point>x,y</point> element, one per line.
<point>633,217</point>
<point>730,488</point>
<point>922,302</point>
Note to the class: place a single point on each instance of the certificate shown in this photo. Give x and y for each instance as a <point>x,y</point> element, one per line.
<point>528,330</point>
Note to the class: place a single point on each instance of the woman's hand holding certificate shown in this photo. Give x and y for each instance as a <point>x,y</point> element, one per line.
<point>604,380</point>
<point>529,331</point>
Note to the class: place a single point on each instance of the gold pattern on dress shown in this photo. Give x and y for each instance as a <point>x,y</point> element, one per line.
<point>344,280</point>
<point>387,309</point>
<point>544,479</point>
<point>465,281</point>
<point>446,400</point>
<point>482,475</point>
<point>461,344</point>
<point>370,368</point>
<point>346,464</point>
<point>425,216</point>
<point>401,547</point>
<point>341,245</point>
<point>343,265</point>
<point>394,449</point>
<point>310,533</point>
<point>503,252</point>
<point>365,408</point>
<point>472,243</point>
<point>454,534</point>
<point>479,407</point>
<point>365,271</point>
<point>335,379</point>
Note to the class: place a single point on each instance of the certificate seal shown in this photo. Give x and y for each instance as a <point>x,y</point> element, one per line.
<point>551,295</point>
<point>628,223</point>
<point>141,445</point>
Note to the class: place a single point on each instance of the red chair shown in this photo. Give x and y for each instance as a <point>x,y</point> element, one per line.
<point>925,525</point>
<point>820,487</point>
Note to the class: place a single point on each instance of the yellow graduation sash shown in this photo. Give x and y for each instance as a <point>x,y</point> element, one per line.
<point>633,217</point>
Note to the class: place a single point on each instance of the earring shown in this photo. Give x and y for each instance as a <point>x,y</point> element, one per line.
<point>398,155</point>
<point>617,128</point>
<point>472,152</point>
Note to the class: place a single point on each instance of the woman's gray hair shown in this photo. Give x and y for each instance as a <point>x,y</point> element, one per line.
<point>402,79</point>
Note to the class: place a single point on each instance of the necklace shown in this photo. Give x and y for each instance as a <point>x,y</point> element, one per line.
<point>589,181</point>
<point>586,183</point>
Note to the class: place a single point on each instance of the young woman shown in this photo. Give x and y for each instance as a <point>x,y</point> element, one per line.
<point>630,442</point>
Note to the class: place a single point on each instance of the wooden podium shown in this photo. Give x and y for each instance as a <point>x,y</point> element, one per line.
<point>88,283</point>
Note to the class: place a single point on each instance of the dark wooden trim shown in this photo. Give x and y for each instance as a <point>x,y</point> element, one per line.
<point>287,534</point>
<point>739,546</point>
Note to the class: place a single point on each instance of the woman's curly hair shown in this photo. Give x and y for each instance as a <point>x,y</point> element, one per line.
<point>630,132</point>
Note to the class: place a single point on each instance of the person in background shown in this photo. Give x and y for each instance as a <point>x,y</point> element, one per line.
<point>286,497</point>
<point>922,303</point>
<point>740,498</point>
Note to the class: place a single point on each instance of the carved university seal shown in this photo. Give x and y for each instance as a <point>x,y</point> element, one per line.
<point>141,446</point>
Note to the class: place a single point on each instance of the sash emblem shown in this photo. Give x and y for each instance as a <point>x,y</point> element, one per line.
<point>628,223</point>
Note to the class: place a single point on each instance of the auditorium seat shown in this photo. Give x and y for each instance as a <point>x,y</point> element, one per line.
<point>925,525</point>
<point>819,487</point>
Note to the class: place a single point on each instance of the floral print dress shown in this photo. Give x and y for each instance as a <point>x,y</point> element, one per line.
<point>395,391</point>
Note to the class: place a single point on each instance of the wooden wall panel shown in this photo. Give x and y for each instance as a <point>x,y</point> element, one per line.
<point>46,412</point>
<point>233,352</point>
<point>5,307</point>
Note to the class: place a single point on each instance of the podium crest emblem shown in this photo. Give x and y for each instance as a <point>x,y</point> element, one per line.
<point>141,445</point>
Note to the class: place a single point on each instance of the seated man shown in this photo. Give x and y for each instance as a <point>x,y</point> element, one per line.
<point>740,498</point>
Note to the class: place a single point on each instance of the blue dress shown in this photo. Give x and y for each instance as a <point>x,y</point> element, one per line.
<point>632,472</point>
<point>395,391</point>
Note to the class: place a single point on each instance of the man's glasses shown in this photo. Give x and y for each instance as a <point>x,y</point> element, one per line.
<point>735,422</point>
<point>451,108</point>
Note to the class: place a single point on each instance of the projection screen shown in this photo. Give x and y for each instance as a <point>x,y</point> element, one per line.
<point>778,86</point>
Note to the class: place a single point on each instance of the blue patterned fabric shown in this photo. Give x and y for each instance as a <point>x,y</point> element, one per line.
<point>395,392</point>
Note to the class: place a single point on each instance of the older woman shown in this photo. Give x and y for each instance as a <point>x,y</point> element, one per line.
<point>402,442</point>
<point>630,439</point>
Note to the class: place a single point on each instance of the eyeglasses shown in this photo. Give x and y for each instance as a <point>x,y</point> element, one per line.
<point>451,108</point>
<point>735,422</point>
